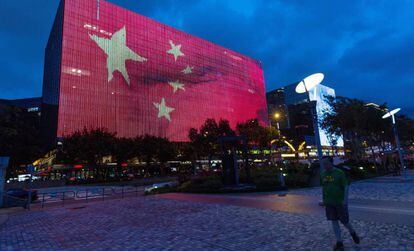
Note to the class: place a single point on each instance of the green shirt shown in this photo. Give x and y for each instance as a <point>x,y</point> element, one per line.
<point>333,186</point>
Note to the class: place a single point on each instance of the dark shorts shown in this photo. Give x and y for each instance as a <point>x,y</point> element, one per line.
<point>337,212</point>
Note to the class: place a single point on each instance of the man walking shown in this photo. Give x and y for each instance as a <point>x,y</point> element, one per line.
<point>334,186</point>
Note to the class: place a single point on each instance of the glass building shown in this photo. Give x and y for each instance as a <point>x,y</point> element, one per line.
<point>295,118</point>
<point>107,67</point>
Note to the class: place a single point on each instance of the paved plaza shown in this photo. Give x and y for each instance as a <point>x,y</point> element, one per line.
<point>268,221</point>
<point>390,188</point>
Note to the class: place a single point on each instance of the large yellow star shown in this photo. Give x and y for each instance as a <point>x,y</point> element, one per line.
<point>176,86</point>
<point>175,50</point>
<point>117,53</point>
<point>163,109</point>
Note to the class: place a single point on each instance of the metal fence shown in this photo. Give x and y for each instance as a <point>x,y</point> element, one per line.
<point>85,195</point>
<point>12,201</point>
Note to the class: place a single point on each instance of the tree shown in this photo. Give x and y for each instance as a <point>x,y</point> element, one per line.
<point>147,149</point>
<point>405,127</point>
<point>155,149</point>
<point>19,136</point>
<point>362,125</point>
<point>343,120</point>
<point>123,150</point>
<point>88,146</point>
<point>166,151</point>
<point>258,135</point>
<point>205,140</point>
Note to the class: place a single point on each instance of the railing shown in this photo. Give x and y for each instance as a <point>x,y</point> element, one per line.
<point>86,195</point>
<point>13,201</point>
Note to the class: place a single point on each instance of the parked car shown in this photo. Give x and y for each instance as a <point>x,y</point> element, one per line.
<point>149,189</point>
<point>22,193</point>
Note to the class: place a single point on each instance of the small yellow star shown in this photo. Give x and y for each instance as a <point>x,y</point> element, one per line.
<point>188,70</point>
<point>175,50</point>
<point>163,109</point>
<point>177,86</point>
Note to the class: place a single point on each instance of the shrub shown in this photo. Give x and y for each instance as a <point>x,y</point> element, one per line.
<point>299,175</point>
<point>264,178</point>
<point>356,173</point>
<point>266,183</point>
<point>207,184</point>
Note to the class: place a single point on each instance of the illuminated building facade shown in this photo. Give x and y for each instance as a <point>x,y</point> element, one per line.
<point>107,67</point>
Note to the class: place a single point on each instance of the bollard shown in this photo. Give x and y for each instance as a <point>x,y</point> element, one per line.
<point>30,168</point>
<point>281,179</point>
<point>43,200</point>
<point>63,198</point>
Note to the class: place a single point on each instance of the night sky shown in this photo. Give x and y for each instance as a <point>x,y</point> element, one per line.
<point>365,48</point>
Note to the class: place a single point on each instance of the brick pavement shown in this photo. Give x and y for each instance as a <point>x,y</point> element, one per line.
<point>151,223</point>
<point>383,188</point>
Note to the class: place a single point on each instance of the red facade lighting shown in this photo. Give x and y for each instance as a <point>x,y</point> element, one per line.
<point>135,76</point>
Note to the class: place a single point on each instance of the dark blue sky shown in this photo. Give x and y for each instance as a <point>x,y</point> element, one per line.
<point>365,48</point>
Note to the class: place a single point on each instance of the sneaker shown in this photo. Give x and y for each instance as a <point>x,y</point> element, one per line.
<point>355,237</point>
<point>339,246</point>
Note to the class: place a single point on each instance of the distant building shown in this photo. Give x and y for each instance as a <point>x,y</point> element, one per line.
<point>295,118</point>
<point>30,104</point>
<point>277,109</point>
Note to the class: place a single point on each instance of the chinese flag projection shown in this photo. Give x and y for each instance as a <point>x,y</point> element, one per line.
<point>134,76</point>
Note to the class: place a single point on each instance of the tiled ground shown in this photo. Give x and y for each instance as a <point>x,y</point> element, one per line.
<point>150,223</point>
<point>153,223</point>
<point>388,188</point>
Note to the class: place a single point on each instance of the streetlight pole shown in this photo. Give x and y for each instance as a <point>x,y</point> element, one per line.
<point>4,162</point>
<point>314,114</point>
<point>400,154</point>
<point>397,139</point>
<point>305,86</point>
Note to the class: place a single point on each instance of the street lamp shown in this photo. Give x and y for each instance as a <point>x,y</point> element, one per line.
<point>304,86</point>
<point>277,116</point>
<point>397,139</point>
